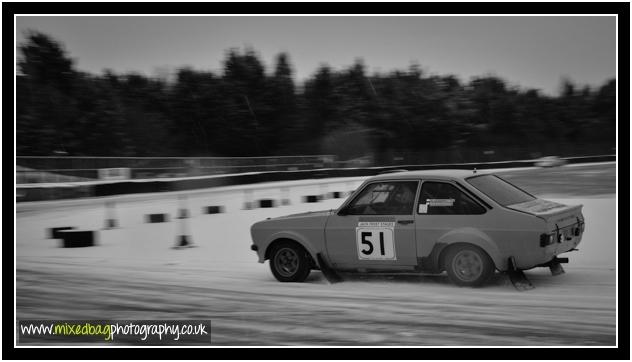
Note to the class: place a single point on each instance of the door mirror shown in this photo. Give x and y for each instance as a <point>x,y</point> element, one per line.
<point>343,212</point>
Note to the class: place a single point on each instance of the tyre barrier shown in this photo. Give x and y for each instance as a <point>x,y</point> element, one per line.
<point>312,198</point>
<point>55,233</point>
<point>213,209</point>
<point>335,195</point>
<point>77,238</point>
<point>266,203</point>
<point>72,238</point>
<point>156,218</point>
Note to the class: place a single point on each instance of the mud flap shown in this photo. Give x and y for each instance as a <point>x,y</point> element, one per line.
<point>517,277</point>
<point>327,271</point>
<point>556,268</point>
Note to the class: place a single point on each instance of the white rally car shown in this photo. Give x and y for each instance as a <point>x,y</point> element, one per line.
<point>457,221</point>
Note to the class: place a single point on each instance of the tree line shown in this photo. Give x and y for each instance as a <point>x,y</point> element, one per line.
<point>247,110</point>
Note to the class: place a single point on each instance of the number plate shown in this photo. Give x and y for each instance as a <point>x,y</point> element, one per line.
<point>376,240</point>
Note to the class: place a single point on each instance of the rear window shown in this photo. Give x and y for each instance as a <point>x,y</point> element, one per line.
<point>499,190</point>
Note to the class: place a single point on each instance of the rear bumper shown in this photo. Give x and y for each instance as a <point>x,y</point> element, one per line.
<point>536,255</point>
<point>563,247</point>
<point>548,253</point>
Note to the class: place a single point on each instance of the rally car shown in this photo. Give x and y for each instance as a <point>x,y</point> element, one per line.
<point>465,223</point>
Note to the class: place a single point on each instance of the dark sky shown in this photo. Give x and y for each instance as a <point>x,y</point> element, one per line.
<point>532,52</point>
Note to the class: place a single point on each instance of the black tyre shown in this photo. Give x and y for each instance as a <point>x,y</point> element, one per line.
<point>289,262</point>
<point>468,265</point>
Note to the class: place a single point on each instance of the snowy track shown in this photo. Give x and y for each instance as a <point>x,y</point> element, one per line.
<point>248,307</point>
<point>134,273</point>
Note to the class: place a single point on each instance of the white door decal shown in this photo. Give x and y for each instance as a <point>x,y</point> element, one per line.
<point>376,240</point>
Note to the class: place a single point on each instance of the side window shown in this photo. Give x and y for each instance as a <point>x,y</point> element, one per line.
<point>441,198</point>
<point>385,198</point>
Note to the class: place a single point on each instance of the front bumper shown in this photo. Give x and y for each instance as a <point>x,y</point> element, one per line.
<point>260,256</point>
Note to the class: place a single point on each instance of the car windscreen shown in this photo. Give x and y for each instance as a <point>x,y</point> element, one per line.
<point>499,190</point>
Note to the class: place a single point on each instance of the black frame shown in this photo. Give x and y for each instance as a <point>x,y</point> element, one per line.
<point>622,9</point>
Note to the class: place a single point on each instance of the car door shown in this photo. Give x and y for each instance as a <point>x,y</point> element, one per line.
<point>376,229</point>
<point>443,206</point>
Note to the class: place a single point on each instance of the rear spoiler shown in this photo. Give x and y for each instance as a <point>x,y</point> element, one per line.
<point>560,210</point>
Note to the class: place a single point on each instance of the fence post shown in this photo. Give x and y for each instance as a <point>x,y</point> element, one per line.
<point>110,220</point>
<point>183,239</point>
<point>248,199</point>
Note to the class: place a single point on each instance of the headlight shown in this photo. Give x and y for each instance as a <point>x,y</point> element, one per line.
<point>547,239</point>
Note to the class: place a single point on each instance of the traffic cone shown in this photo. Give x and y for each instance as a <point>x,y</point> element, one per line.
<point>110,220</point>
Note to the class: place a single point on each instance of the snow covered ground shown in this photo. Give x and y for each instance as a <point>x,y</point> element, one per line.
<point>133,273</point>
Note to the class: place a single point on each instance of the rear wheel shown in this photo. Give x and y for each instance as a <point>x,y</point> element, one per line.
<point>468,265</point>
<point>289,262</point>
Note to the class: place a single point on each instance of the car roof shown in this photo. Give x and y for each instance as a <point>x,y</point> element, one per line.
<point>450,174</point>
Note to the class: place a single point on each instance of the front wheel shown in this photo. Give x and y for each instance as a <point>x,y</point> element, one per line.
<point>468,265</point>
<point>289,262</point>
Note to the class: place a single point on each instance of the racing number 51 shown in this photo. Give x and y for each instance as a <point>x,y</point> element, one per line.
<point>364,236</point>
<point>375,243</point>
